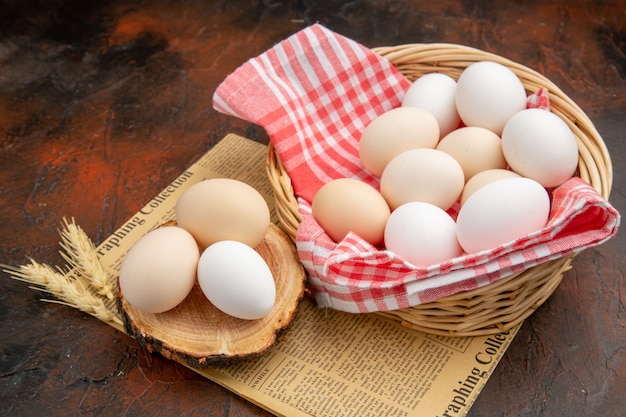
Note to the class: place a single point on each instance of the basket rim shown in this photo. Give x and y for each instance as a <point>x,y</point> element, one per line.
<point>498,306</point>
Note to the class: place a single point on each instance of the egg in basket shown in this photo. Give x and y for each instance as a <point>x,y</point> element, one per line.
<point>318,93</point>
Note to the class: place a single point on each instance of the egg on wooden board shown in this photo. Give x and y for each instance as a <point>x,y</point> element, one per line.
<point>159,270</point>
<point>435,92</point>
<point>223,209</point>
<point>349,205</point>
<point>475,148</point>
<point>488,94</point>
<point>500,212</point>
<point>396,131</point>
<point>426,175</point>
<point>422,234</point>
<point>538,144</point>
<point>484,178</point>
<point>237,280</point>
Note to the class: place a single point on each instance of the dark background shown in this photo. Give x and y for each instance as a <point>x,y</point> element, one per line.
<point>103,103</point>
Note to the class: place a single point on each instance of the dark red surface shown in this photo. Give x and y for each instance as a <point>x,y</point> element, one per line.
<point>103,103</point>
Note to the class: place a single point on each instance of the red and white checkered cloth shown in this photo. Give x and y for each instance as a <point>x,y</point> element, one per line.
<point>314,93</point>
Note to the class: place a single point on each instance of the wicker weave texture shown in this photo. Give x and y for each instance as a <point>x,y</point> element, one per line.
<point>502,305</point>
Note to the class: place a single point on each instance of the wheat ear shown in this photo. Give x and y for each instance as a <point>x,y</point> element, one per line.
<point>83,285</point>
<point>80,253</point>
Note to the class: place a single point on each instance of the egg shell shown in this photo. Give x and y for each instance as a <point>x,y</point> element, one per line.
<point>475,148</point>
<point>396,131</point>
<point>422,234</point>
<point>223,209</point>
<point>484,178</point>
<point>538,144</point>
<point>159,270</point>
<point>488,94</point>
<point>502,211</point>
<point>348,205</point>
<point>435,92</point>
<point>237,280</point>
<point>426,175</point>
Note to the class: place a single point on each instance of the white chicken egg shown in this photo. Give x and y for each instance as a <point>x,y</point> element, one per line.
<point>538,144</point>
<point>488,94</point>
<point>500,212</point>
<point>422,234</point>
<point>435,92</point>
<point>237,280</point>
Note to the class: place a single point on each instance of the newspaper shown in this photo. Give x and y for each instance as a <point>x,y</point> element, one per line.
<point>329,363</point>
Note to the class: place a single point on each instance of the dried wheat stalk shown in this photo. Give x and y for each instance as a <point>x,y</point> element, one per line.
<point>84,284</point>
<point>80,254</point>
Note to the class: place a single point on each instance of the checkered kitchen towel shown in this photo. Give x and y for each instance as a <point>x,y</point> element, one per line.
<point>314,93</point>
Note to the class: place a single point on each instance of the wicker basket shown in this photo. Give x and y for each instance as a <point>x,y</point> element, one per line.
<point>506,303</point>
